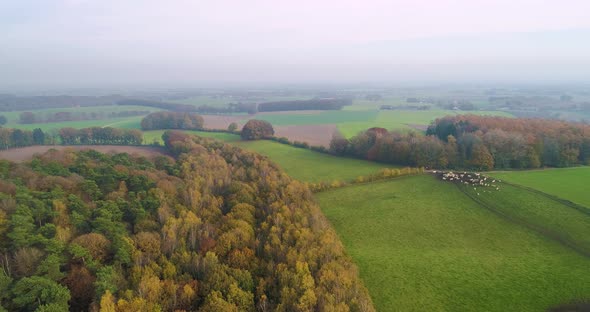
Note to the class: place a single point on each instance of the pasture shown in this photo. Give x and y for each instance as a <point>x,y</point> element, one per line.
<point>124,122</point>
<point>567,183</point>
<point>302,164</point>
<point>405,120</point>
<point>309,166</point>
<point>423,245</point>
<point>156,136</point>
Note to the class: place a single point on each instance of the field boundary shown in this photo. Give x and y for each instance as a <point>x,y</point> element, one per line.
<point>535,228</point>
<point>566,202</point>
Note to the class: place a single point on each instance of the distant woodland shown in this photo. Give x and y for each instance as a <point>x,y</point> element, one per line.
<point>476,142</point>
<point>172,120</point>
<point>313,104</point>
<point>12,138</point>
<point>39,117</point>
<point>213,229</point>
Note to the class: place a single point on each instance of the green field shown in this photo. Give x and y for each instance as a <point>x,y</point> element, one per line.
<point>318,117</point>
<point>302,164</point>
<point>156,136</point>
<point>404,120</point>
<point>423,245</point>
<point>568,183</point>
<point>309,166</point>
<point>126,122</point>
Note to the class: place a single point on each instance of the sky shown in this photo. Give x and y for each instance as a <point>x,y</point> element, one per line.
<point>182,43</point>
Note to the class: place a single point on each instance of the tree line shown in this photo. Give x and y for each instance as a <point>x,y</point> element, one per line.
<point>205,109</point>
<point>172,120</point>
<point>19,103</point>
<point>214,229</point>
<point>100,136</point>
<point>313,104</point>
<point>475,142</point>
<point>39,117</point>
<point>11,138</point>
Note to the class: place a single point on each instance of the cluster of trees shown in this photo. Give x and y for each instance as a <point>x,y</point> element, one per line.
<point>172,120</point>
<point>313,104</point>
<point>100,136</point>
<point>216,229</point>
<point>476,142</point>
<point>3,120</point>
<point>10,138</point>
<point>30,117</point>
<point>256,129</point>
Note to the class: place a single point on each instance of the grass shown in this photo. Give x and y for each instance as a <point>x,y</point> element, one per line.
<point>125,122</point>
<point>156,136</point>
<point>568,183</point>
<point>318,117</point>
<point>404,120</point>
<point>302,164</point>
<point>309,166</point>
<point>422,245</point>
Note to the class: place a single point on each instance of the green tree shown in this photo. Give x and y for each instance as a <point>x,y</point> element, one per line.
<point>30,293</point>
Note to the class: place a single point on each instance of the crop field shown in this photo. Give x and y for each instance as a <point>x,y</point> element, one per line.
<point>567,183</point>
<point>317,117</point>
<point>425,245</point>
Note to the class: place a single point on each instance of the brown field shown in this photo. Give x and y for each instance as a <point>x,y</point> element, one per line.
<point>223,121</point>
<point>312,134</point>
<point>26,153</point>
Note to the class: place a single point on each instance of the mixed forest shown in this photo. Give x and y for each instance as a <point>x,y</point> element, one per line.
<point>212,228</point>
<point>476,142</point>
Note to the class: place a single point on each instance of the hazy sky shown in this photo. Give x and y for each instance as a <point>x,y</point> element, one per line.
<point>85,43</point>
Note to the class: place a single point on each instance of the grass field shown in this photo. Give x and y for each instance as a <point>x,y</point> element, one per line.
<point>404,120</point>
<point>423,245</point>
<point>302,164</point>
<point>309,166</point>
<point>156,136</point>
<point>568,183</point>
<point>318,117</point>
<point>126,122</point>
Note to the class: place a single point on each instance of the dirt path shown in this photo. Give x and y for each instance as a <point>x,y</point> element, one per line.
<point>26,153</point>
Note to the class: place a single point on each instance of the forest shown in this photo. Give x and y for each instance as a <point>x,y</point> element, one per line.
<point>313,104</point>
<point>215,229</point>
<point>37,117</point>
<point>172,120</point>
<point>475,142</point>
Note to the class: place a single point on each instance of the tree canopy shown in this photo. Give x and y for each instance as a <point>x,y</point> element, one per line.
<point>213,229</point>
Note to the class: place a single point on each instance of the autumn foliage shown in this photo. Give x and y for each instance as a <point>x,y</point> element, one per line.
<point>476,142</point>
<point>257,129</point>
<point>213,229</point>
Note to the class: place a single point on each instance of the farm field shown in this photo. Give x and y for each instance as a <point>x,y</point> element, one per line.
<point>423,245</point>
<point>309,166</point>
<point>567,183</point>
<point>124,122</point>
<point>156,136</point>
<point>404,120</point>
